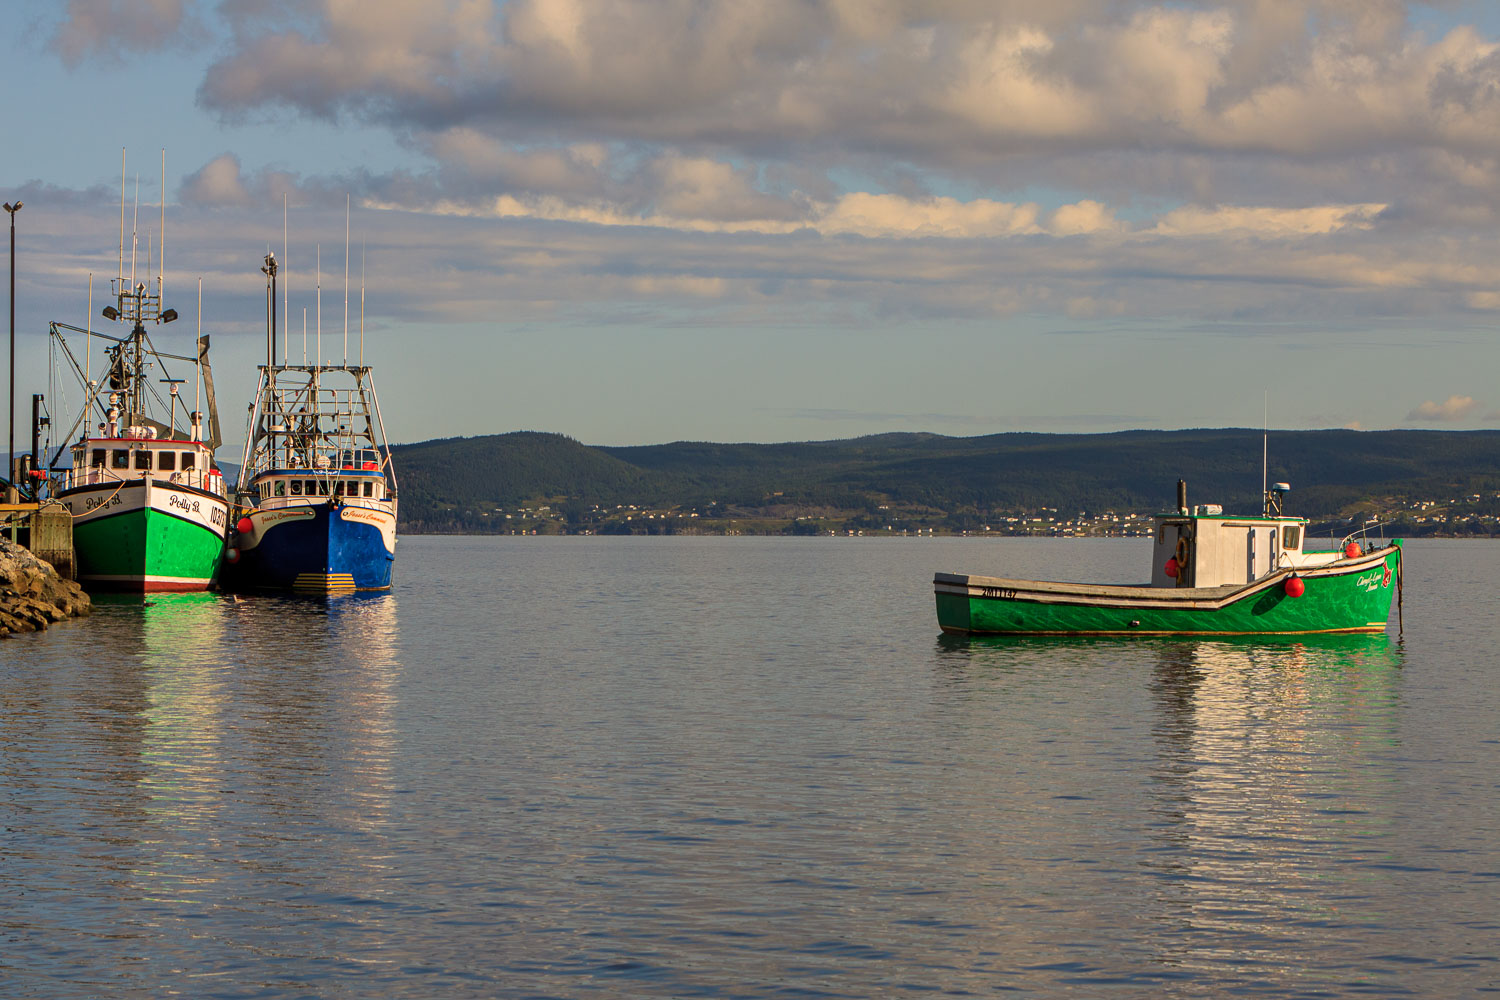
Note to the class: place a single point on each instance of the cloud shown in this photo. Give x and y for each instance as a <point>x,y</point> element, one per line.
<point>221,183</point>
<point>1450,410</point>
<point>1195,220</point>
<point>93,29</point>
<point>218,182</point>
<point>942,83</point>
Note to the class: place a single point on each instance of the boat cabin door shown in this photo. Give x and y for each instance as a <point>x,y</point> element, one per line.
<point>1261,557</point>
<point>1185,553</point>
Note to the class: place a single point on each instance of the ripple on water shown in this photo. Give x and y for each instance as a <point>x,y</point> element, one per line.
<point>741,768</point>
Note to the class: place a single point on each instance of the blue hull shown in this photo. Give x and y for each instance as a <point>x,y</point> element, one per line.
<point>319,553</point>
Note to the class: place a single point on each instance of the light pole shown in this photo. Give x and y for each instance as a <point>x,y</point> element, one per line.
<point>10,454</point>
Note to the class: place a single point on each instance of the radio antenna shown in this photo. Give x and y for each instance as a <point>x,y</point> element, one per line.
<point>1265,449</point>
<point>361,305</point>
<point>161,270</point>
<point>346,280</point>
<point>286,284</point>
<point>319,334</point>
<point>122,216</point>
<point>135,239</point>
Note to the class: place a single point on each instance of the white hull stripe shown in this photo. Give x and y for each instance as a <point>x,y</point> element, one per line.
<point>148,578</point>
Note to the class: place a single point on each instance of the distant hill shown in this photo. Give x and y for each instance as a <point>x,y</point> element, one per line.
<point>467,484</point>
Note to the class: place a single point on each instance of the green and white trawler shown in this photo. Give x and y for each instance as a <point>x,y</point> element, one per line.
<point>1211,574</point>
<point>149,508</point>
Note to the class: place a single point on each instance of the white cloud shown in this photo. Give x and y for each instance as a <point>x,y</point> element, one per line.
<point>217,182</point>
<point>937,82</point>
<point>1453,409</point>
<point>94,29</point>
<point>1195,220</point>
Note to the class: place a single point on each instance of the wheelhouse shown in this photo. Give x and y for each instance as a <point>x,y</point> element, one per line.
<point>319,484</point>
<point>104,460</point>
<point>1203,547</point>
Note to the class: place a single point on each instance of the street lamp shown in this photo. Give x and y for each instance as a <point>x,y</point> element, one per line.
<point>11,409</point>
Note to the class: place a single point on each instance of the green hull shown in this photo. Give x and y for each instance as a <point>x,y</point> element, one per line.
<point>146,549</point>
<point>1352,595</point>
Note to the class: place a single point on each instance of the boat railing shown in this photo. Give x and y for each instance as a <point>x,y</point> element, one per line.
<point>317,428</point>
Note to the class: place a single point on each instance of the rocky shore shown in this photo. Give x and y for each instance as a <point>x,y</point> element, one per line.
<point>32,595</point>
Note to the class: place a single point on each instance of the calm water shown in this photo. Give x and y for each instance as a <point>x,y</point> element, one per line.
<point>738,767</point>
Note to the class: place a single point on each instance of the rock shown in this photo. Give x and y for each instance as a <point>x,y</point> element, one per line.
<point>32,595</point>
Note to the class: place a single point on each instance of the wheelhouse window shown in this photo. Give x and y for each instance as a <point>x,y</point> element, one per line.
<point>281,487</point>
<point>167,461</point>
<point>1291,537</point>
<point>338,488</point>
<point>143,459</point>
<point>189,460</point>
<point>120,458</point>
<point>368,486</point>
<point>310,487</point>
<point>97,458</point>
<point>296,487</point>
<point>322,487</point>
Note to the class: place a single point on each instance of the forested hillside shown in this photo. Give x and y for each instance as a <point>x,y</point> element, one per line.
<point>926,481</point>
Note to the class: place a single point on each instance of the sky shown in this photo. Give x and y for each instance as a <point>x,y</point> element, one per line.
<point>636,222</point>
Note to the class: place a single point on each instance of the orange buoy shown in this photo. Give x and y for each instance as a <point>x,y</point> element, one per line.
<point>1171,567</point>
<point>1352,551</point>
<point>1295,586</point>
<point>244,526</point>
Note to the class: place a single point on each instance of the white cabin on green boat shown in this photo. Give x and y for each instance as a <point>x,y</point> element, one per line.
<point>138,453</point>
<point>1202,547</point>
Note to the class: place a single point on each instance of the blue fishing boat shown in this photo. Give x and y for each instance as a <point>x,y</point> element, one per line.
<point>317,489</point>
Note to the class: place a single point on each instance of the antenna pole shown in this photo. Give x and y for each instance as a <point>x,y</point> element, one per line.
<point>122,215</point>
<point>135,217</point>
<point>88,342</point>
<point>320,304</point>
<point>161,270</point>
<point>361,305</point>
<point>346,280</point>
<point>1265,449</point>
<point>198,354</point>
<point>286,284</point>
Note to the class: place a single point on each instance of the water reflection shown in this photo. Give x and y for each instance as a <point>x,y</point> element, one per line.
<point>1258,787</point>
<point>209,754</point>
<point>1218,787</point>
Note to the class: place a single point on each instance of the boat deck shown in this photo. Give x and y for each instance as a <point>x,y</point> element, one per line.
<point>1120,590</point>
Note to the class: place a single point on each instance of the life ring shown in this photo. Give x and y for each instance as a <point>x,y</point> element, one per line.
<point>1181,555</point>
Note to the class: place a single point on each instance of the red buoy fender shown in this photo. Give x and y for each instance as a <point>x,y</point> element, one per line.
<point>1171,567</point>
<point>244,526</point>
<point>232,554</point>
<point>1294,586</point>
<point>1352,551</point>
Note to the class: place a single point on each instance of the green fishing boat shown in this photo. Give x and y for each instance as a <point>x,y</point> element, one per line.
<point>149,508</point>
<point>1211,574</point>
